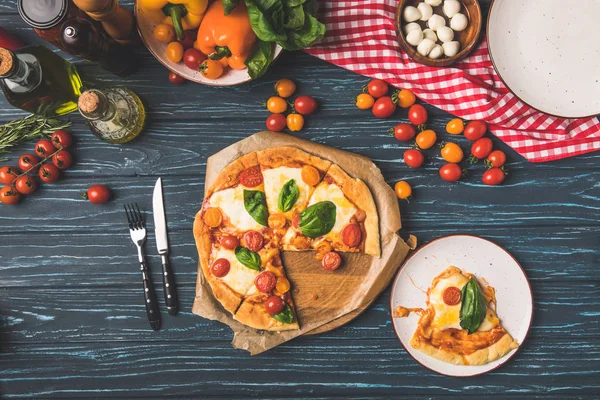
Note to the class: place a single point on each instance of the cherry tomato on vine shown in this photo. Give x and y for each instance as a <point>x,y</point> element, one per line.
<point>8,175</point>
<point>295,122</point>
<point>451,172</point>
<point>61,139</point>
<point>9,195</point>
<point>364,101</point>
<point>192,58</point>
<point>426,139</point>
<point>285,88</point>
<point>305,105</point>
<point>403,132</point>
<point>176,79</point>
<point>49,173</point>
<point>406,98</point>
<point>497,158</point>
<point>377,88</point>
<point>403,190</point>
<point>276,122</point>
<point>452,153</point>
<point>26,184</point>
<point>455,126</point>
<point>27,161</point>
<point>493,177</point>
<point>475,130</point>
<point>97,194</point>
<point>482,148</point>
<point>189,37</point>
<point>383,107</point>
<point>276,105</point>
<point>413,158</point>
<point>44,148</point>
<point>417,114</point>
<point>63,159</point>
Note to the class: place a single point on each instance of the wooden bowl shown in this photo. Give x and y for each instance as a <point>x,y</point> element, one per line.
<point>468,38</point>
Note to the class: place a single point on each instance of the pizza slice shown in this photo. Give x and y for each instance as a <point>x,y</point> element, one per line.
<point>459,326</point>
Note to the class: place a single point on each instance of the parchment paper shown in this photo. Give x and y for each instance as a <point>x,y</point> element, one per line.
<point>321,297</point>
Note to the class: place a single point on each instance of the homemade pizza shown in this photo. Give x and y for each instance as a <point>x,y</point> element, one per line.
<point>459,325</point>
<point>271,200</point>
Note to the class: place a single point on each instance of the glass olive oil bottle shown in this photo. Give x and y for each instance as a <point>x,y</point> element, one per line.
<point>37,80</point>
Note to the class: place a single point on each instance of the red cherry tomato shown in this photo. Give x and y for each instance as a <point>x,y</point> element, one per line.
<point>475,130</point>
<point>296,221</point>
<point>27,162</point>
<point>276,122</point>
<point>383,107</point>
<point>63,159</point>
<point>251,177</point>
<point>377,88</point>
<point>8,175</point>
<point>9,195</point>
<point>413,158</point>
<point>351,235</point>
<point>265,281</point>
<point>451,295</point>
<point>497,158</point>
<point>26,184</point>
<point>417,114</point>
<point>192,58</point>
<point>44,148</point>
<point>482,148</point>
<point>229,242</point>
<point>61,139</point>
<point>189,37</point>
<point>254,240</point>
<point>451,172</point>
<point>305,105</point>
<point>49,173</point>
<point>98,194</point>
<point>220,267</point>
<point>274,305</point>
<point>176,79</point>
<point>404,132</point>
<point>331,261</point>
<point>493,177</point>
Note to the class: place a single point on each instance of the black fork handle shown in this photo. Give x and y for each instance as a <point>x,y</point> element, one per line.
<point>150,300</point>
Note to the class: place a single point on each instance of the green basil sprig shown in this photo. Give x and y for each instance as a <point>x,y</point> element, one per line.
<point>318,219</point>
<point>285,316</point>
<point>255,203</point>
<point>473,308</point>
<point>288,196</point>
<point>248,258</point>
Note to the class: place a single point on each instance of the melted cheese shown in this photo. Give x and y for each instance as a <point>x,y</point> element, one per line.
<point>275,178</point>
<point>345,210</point>
<point>231,203</point>
<point>239,278</point>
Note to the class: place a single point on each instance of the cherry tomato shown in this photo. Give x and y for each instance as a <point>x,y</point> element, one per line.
<point>417,114</point>
<point>27,162</point>
<point>274,305</point>
<point>97,194</point>
<point>276,122</point>
<point>26,184</point>
<point>61,139</point>
<point>276,105</point>
<point>406,98</point>
<point>285,88</point>
<point>403,190</point>
<point>475,130</point>
<point>310,175</point>
<point>229,242</point>
<point>189,37</point>
<point>426,139</point>
<point>192,58</point>
<point>452,153</point>
<point>8,175</point>
<point>403,132</point>
<point>451,172</point>
<point>213,217</point>
<point>9,195</point>
<point>49,173</point>
<point>63,159</point>
<point>451,295</point>
<point>364,101</point>
<point>295,122</point>
<point>455,126</point>
<point>383,107</point>
<point>164,33</point>
<point>377,88</point>
<point>296,221</point>
<point>482,148</point>
<point>493,177</point>
<point>176,79</point>
<point>351,235</point>
<point>220,267</point>
<point>413,158</point>
<point>277,221</point>
<point>305,105</point>
<point>174,52</point>
<point>265,281</point>
<point>497,158</point>
<point>331,261</point>
<point>251,177</point>
<point>254,240</point>
<point>211,69</point>
<point>44,148</point>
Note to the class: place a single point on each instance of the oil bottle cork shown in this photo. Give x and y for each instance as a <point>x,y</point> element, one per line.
<point>117,21</point>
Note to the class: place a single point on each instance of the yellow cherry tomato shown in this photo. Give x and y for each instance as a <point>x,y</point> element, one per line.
<point>426,139</point>
<point>456,126</point>
<point>403,190</point>
<point>276,105</point>
<point>285,88</point>
<point>211,69</point>
<point>295,122</point>
<point>452,153</point>
<point>164,33</point>
<point>406,98</point>
<point>175,52</point>
<point>364,101</point>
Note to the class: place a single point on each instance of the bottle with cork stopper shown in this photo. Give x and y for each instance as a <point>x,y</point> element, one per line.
<point>116,20</point>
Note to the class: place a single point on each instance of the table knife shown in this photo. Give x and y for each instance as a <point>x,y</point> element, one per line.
<point>162,243</point>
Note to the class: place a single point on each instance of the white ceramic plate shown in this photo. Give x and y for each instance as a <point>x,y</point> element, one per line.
<point>548,53</point>
<point>230,77</point>
<point>475,255</point>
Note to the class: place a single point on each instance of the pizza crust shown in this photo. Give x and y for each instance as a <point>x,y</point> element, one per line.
<point>255,315</point>
<point>290,156</point>
<point>229,176</point>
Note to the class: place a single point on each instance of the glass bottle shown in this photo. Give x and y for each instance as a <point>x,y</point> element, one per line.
<point>115,115</point>
<point>37,80</point>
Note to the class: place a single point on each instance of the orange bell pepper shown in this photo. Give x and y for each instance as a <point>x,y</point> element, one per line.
<point>226,36</point>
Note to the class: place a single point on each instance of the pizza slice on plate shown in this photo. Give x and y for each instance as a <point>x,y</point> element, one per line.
<point>459,325</point>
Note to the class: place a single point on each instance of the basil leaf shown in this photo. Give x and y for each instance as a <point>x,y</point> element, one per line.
<point>286,316</point>
<point>294,16</point>
<point>255,204</point>
<point>260,59</point>
<point>288,196</point>
<point>248,258</point>
<point>318,219</point>
<point>473,308</point>
<point>229,5</point>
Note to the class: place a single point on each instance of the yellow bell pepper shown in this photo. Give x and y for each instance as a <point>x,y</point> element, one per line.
<point>181,14</point>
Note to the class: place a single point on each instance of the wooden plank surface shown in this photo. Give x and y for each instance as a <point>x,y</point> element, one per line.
<point>72,324</point>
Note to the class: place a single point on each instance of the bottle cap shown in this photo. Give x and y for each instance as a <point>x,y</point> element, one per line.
<point>7,61</point>
<point>43,14</point>
<point>88,101</point>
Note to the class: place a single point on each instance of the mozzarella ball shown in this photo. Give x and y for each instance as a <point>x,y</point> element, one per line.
<point>436,52</point>
<point>426,11</point>
<point>414,37</point>
<point>451,48</point>
<point>413,26</point>
<point>433,3</point>
<point>459,22</point>
<point>425,47</point>
<point>451,8</point>
<point>429,34</point>
<point>436,22</point>
<point>445,34</point>
<point>411,14</point>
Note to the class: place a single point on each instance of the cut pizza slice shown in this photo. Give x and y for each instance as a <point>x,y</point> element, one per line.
<point>459,326</point>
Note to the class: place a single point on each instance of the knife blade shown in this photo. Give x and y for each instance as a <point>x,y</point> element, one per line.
<point>162,244</point>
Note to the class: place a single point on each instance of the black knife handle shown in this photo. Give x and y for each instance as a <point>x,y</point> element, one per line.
<point>169,286</point>
<point>150,300</point>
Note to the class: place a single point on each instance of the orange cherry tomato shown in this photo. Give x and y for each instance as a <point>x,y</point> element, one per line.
<point>175,52</point>
<point>426,139</point>
<point>213,217</point>
<point>164,33</point>
<point>455,126</point>
<point>211,69</point>
<point>277,221</point>
<point>283,285</point>
<point>364,101</point>
<point>452,153</point>
<point>285,88</point>
<point>403,190</point>
<point>310,175</point>
<point>406,98</point>
<point>276,105</point>
<point>295,122</point>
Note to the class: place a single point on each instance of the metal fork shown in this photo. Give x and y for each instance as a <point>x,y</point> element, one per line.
<point>137,229</point>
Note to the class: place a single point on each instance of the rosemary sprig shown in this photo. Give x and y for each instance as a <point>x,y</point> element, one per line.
<point>28,128</point>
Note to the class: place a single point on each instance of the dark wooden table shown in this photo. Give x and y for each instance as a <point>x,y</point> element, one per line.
<point>72,320</point>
